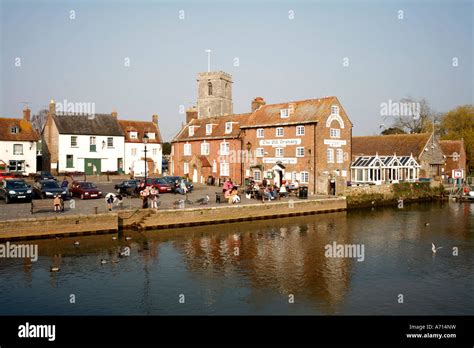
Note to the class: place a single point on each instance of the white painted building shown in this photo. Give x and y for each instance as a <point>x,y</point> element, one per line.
<point>18,141</point>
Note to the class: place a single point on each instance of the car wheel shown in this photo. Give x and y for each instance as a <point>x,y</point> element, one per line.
<point>82,196</point>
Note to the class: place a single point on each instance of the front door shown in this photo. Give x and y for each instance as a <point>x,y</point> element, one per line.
<point>195,174</point>
<point>92,166</point>
<point>120,165</point>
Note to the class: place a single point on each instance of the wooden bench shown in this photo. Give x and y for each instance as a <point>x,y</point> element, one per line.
<point>44,204</point>
<point>220,197</point>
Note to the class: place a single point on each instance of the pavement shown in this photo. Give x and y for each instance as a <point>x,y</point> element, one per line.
<point>77,206</point>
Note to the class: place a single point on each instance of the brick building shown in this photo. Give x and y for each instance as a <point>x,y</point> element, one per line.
<point>455,157</point>
<point>308,140</point>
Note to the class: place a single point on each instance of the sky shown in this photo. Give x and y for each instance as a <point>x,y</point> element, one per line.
<point>364,52</point>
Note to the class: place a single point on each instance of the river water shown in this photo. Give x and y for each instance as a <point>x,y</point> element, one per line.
<point>266,267</point>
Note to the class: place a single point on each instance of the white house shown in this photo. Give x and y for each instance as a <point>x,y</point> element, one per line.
<point>18,144</point>
<point>135,132</point>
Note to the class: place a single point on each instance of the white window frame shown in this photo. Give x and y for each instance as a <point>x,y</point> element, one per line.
<point>205,149</point>
<point>260,152</point>
<point>284,113</point>
<point>208,128</point>
<point>133,135</point>
<point>339,156</point>
<point>224,148</point>
<point>260,133</point>
<point>187,151</point>
<point>300,151</point>
<point>133,151</point>
<point>185,168</point>
<point>304,176</point>
<point>330,155</point>
<point>228,127</point>
<point>299,130</point>
<point>15,151</point>
<point>154,151</point>
<point>224,169</point>
<point>335,133</point>
<point>334,110</point>
<point>277,131</point>
<point>214,166</point>
<point>110,142</point>
<point>190,131</point>
<point>75,141</point>
<point>279,152</point>
<point>150,135</point>
<point>257,175</point>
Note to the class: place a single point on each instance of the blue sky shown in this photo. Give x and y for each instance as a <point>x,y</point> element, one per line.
<point>280,59</point>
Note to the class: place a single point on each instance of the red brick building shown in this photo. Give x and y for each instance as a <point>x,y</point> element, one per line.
<point>308,141</point>
<point>455,158</point>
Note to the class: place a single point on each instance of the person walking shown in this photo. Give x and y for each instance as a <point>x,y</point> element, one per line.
<point>57,203</point>
<point>153,197</point>
<point>110,201</point>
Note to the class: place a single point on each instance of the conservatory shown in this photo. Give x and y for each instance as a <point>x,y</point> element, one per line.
<point>389,169</point>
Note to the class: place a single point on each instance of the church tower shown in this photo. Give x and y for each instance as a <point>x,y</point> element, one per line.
<point>214,94</point>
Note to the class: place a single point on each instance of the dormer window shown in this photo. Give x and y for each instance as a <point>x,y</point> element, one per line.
<point>14,130</point>
<point>284,113</point>
<point>191,131</point>
<point>133,135</point>
<point>228,127</point>
<point>208,129</point>
<point>150,135</point>
<point>334,110</point>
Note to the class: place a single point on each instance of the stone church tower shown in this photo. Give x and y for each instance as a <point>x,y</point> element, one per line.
<point>214,94</point>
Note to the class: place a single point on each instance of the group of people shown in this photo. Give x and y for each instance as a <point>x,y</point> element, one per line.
<point>180,187</point>
<point>231,192</point>
<point>269,191</point>
<point>149,196</point>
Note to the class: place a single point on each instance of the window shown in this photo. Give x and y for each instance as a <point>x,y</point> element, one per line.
<point>300,152</point>
<point>73,141</point>
<point>155,151</point>
<point>339,156</point>
<point>260,133</point>
<point>279,132</point>
<point>17,149</point>
<point>257,175</point>
<point>293,176</point>
<point>15,166</point>
<point>191,131</point>
<point>224,169</point>
<point>335,133</point>
<point>187,149</point>
<point>133,135</point>
<point>150,135</point>
<point>208,129</point>
<point>260,152</point>
<point>209,88</point>
<point>69,161</point>
<point>330,153</point>
<point>205,149</point>
<point>134,151</point>
<point>284,113</point>
<point>110,142</point>
<point>228,127</point>
<point>304,177</point>
<point>185,168</point>
<point>92,143</point>
<point>214,166</point>
<point>299,130</point>
<point>225,148</point>
<point>335,110</point>
<point>14,130</point>
<point>279,152</point>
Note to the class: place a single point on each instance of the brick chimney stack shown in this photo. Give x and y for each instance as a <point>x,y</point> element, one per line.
<point>27,114</point>
<point>191,114</point>
<point>114,113</point>
<point>155,119</point>
<point>257,102</point>
<point>52,107</point>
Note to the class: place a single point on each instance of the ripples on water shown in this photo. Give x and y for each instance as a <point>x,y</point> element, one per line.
<point>252,268</point>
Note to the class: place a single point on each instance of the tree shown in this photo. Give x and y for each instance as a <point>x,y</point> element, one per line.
<point>458,124</point>
<point>422,119</point>
<point>166,148</point>
<point>393,130</point>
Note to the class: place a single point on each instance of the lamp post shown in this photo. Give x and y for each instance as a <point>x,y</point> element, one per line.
<point>145,141</point>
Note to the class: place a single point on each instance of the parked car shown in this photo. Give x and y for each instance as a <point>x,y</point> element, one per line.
<point>43,175</point>
<point>48,189</point>
<point>172,181</point>
<point>161,184</point>
<point>127,187</point>
<point>84,189</point>
<point>15,190</point>
<point>6,176</point>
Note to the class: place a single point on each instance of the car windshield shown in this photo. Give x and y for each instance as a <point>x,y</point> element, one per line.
<point>16,185</point>
<point>161,181</point>
<point>50,185</point>
<point>46,174</point>
<point>88,185</point>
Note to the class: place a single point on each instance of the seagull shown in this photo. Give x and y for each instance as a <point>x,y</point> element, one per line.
<point>434,249</point>
<point>103,262</point>
<point>128,238</point>
<point>123,253</point>
<point>76,242</point>
<point>203,201</point>
<point>427,224</point>
<point>114,238</point>
<point>54,269</point>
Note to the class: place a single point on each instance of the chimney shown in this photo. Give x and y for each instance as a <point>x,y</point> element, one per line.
<point>114,113</point>
<point>257,102</point>
<point>27,114</point>
<point>191,114</point>
<point>52,107</point>
<point>155,119</point>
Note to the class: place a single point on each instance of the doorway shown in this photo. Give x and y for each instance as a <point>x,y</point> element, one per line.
<point>195,174</point>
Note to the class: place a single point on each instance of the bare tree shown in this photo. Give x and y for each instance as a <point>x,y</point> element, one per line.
<point>420,122</point>
<point>38,120</point>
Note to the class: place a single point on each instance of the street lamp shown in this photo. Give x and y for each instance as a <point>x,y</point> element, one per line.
<point>145,141</point>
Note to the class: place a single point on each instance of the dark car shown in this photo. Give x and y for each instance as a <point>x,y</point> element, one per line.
<point>84,189</point>
<point>172,181</point>
<point>127,187</point>
<point>162,185</point>
<point>15,190</point>
<point>43,175</point>
<point>48,189</point>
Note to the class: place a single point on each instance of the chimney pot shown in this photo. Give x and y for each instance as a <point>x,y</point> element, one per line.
<point>257,102</point>
<point>155,119</point>
<point>27,114</point>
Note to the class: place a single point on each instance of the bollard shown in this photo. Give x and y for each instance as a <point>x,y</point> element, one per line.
<point>96,210</point>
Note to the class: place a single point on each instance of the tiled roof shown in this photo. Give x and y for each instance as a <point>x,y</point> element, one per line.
<point>26,133</point>
<point>386,145</point>
<point>204,161</point>
<point>100,124</point>
<point>451,146</point>
<point>140,127</point>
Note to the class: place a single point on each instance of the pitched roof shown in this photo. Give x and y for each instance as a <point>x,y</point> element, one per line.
<point>451,146</point>
<point>386,145</point>
<point>305,111</point>
<point>140,127</point>
<point>26,133</point>
<point>100,124</point>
